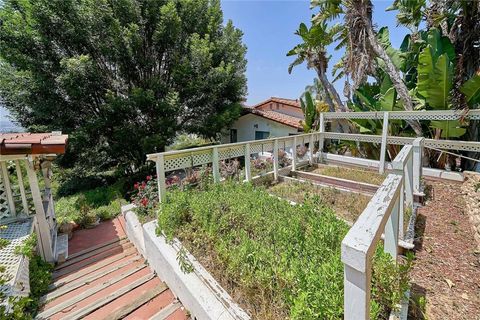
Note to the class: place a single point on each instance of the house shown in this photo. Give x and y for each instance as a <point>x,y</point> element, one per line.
<point>274,117</point>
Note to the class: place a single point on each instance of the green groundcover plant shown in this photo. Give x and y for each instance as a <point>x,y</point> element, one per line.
<point>278,261</point>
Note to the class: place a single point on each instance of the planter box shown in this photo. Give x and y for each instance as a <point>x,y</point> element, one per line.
<point>198,291</point>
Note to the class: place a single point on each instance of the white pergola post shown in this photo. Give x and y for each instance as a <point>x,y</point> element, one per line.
<point>8,188</point>
<point>383,147</point>
<point>21,186</point>
<point>294,154</point>
<point>248,172</point>
<point>41,224</point>
<point>162,187</point>
<point>275,159</point>
<point>215,165</point>
<point>417,164</point>
<point>321,139</point>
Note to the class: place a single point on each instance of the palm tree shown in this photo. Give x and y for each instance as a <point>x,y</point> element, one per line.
<point>313,51</point>
<point>363,46</point>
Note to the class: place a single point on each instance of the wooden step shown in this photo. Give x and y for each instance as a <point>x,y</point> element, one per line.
<point>90,253</point>
<point>98,246</point>
<point>70,286</point>
<point>134,304</point>
<point>85,262</point>
<point>165,312</point>
<point>92,268</point>
<point>79,314</point>
<point>65,304</point>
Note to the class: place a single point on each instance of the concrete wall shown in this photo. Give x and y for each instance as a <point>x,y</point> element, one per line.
<point>245,126</point>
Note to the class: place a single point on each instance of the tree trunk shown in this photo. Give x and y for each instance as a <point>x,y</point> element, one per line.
<point>394,76</point>
<point>325,84</point>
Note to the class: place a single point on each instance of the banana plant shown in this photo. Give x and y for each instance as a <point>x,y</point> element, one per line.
<point>310,112</point>
<point>471,90</point>
<point>436,69</point>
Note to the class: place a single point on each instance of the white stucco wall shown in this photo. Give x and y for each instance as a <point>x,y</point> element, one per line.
<point>245,126</point>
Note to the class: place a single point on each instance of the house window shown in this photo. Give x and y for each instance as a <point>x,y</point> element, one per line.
<point>233,135</point>
<point>259,135</point>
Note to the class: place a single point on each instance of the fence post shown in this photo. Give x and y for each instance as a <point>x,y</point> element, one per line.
<point>294,154</point>
<point>383,148</point>
<point>275,160</point>
<point>312,146</point>
<point>356,299</point>
<point>417,164</point>
<point>215,165</point>
<point>321,139</point>
<point>41,225</point>
<point>392,228</point>
<point>408,175</point>
<point>248,172</point>
<point>162,188</point>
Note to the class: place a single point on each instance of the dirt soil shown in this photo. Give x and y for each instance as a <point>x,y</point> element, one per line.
<point>447,267</point>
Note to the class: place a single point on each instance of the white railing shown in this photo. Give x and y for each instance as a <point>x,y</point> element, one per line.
<point>212,155</point>
<point>383,214</point>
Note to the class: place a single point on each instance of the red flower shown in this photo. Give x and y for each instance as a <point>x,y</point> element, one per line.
<point>143,185</point>
<point>135,185</point>
<point>149,178</point>
<point>144,202</point>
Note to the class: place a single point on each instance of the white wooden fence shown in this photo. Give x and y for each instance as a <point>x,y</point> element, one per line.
<point>383,214</point>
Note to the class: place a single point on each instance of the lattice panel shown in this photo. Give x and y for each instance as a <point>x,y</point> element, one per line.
<point>16,233</point>
<point>202,158</point>
<point>231,152</point>
<point>453,145</point>
<point>255,148</point>
<point>399,140</point>
<point>181,162</point>
<point>406,115</point>
<point>353,137</point>
<point>4,209</point>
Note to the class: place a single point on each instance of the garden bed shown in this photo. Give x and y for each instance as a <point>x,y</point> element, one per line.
<point>276,260</point>
<point>346,205</point>
<point>358,175</point>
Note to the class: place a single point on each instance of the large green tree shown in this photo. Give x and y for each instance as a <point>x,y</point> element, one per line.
<point>121,77</point>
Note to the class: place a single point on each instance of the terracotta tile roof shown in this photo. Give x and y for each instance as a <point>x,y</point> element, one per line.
<point>290,102</point>
<point>278,117</point>
<point>32,143</point>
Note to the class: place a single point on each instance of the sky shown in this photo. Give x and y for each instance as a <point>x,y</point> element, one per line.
<point>269,27</point>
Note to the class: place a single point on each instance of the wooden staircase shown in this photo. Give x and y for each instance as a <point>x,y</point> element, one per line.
<point>107,280</point>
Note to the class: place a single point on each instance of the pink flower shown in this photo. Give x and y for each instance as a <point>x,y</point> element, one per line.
<point>135,185</point>
<point>149,178</point>
<point>144,202</point>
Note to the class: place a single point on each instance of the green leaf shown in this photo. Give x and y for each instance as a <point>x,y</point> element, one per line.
<point>450,129</point>
<point>471,90</point>
<point>435,78</point>
<point>398,58</point>
<point>387,100</point>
